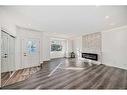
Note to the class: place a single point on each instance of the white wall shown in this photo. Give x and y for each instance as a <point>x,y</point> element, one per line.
<point>7,24</point>
<point>69,47</point>
<point>114,47</point>
<point>46,46</point>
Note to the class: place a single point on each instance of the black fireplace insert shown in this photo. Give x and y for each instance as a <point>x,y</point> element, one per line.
<point>91,56</point>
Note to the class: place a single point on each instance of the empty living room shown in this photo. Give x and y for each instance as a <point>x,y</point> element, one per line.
<point>63,47</point>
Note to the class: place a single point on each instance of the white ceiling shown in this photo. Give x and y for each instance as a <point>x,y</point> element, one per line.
<point>70,19</point>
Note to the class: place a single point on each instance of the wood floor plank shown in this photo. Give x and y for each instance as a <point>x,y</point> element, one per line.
<point>120,80</point>
<point>100,83</point>
<point>113,79</point>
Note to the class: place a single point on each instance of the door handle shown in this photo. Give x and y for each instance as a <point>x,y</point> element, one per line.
<point>5,55</point>
<point>25,54</point>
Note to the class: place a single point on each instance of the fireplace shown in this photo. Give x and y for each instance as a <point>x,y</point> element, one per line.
<point>91,56</point>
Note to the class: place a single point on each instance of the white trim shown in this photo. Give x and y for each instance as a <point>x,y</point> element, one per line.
<point>116,28</point>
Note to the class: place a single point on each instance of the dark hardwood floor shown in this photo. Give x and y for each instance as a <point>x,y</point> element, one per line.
<point>74,74</point>
<point>8,78</point>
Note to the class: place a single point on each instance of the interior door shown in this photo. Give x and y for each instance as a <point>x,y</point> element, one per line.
<point>4,52</point>
<point>7,52</point>
<point>30,52</point>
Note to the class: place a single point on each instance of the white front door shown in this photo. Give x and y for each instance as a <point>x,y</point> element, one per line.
<point>30,52</point>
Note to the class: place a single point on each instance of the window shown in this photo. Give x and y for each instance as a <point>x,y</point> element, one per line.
<point>31,47</point>
<point>56,45</point>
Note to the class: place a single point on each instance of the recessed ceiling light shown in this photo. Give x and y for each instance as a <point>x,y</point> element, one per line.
<point>106,17</point>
